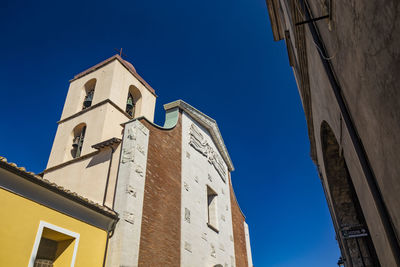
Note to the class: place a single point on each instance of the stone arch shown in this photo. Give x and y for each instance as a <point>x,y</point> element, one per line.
<point>88,93</point>
<point>135,98</point>
<point>76,140</point>
<point>352,232</point>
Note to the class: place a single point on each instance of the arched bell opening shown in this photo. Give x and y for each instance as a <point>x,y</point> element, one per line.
<point>78,136</point>
<point>133,101</point>
<point>89,93</point>
<point>355,242</point>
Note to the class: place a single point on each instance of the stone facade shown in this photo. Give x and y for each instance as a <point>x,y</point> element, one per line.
<point>345,67</point>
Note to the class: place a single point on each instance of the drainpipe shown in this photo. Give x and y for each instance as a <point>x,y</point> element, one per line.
<point>108,175</point>
<point>358,146</point>
<point>110,233</point>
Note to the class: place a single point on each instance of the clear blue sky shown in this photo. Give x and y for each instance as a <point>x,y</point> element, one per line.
<point>217,55</point>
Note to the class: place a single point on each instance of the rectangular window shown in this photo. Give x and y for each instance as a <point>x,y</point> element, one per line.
<point>54,246</point>
<point>212,209</point>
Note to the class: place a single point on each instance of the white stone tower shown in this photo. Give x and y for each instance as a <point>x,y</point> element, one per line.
<point>85,152</point>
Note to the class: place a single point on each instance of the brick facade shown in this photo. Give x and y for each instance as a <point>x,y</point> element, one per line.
<point>238,230</point>
<point>160,237</point>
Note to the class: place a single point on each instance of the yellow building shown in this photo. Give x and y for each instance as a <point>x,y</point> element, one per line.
<point>45,225</point>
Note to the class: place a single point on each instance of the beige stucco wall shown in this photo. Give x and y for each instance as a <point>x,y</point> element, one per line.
<point>88,177</point>
<point>102,123</point>
<point>121,81</point>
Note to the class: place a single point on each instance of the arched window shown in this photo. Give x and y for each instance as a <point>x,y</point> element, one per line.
<point>89,91</point>
<point>133,101</point>
<point>130,105</point>
<point>78,138</point>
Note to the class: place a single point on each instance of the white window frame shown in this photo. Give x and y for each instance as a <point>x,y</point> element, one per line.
<point>44,224</point>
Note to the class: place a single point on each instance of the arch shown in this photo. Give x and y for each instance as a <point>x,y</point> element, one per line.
<point>133,102</point>
<point>89,93</point>
<point>352,231</point>
<point>77,137</point>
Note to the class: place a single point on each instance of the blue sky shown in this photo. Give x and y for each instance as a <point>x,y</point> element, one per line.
<point>217,55</point>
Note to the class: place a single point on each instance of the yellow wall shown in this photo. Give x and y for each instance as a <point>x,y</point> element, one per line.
<point>19,224</point>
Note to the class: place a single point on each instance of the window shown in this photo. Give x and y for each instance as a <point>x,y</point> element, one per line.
<point>54,246</point>
<point>130,105</point>
<point>212,209</point>
<point>89,91</point>
<point>133,101</point>
<point>78,138</point>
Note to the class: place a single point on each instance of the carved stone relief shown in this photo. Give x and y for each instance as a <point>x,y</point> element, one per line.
<point>213,252</point>
<point>129,217</point>
<point>188,155</point>
<point>186,186</point>
<point>132,133</point>
<point>128,155</point>
<point>209,178</point>
<point>139,170</point>
<point>140,148</point>
<point>199,143</point>
<point>142,128</point>
<point>196,179</point>
<point>130,190</point>
<point>204,236</point>
<point>187,215</point>
<point>188,246</point>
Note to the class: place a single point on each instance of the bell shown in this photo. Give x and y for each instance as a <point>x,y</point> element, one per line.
<point>88,101</point>
<point>129,103</point>
<point>75,143</point>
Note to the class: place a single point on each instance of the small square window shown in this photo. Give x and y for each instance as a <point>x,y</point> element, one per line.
<point>54,245</point>
<point>212,209</point>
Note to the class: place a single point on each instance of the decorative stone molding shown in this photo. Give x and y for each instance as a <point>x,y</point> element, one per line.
<point>206,122</point>
<point>210,178</point>
<point>198,142</point>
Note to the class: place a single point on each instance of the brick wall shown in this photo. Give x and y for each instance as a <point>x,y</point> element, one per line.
<point>160,236</point>
<point>238,231</point>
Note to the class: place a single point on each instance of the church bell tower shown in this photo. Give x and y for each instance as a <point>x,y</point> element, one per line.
<point>85,153</point>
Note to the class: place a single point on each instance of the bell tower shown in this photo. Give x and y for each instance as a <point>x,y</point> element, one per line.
<point>85,152</point>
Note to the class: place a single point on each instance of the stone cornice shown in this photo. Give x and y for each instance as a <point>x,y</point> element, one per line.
<point>93,107</point>
<point>207,122</point>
